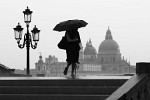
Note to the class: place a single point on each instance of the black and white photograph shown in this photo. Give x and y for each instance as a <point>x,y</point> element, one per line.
<point>75,50</point>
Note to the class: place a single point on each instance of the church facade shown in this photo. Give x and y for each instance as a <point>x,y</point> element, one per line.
<point>107,60</point>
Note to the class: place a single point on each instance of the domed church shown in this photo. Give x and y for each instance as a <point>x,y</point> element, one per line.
<point>107,59</point>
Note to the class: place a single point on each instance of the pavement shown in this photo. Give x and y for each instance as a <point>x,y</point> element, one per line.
<point>64,78</point>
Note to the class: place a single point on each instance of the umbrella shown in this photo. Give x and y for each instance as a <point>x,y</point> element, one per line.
<point>70,25</point>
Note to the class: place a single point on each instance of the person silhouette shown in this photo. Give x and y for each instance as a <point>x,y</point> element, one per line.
<point>72,50</point>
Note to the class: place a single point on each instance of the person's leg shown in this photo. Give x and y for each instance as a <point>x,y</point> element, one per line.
<point>77,60</point>
<point>73,69</point>
<point>78,57</point>
<point>66,69</point>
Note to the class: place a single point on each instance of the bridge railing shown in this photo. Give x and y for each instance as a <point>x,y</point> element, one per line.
<point>137,87</point>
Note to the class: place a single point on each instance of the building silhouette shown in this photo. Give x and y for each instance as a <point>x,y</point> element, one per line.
<point>107,60</point>
<point>6,71</point>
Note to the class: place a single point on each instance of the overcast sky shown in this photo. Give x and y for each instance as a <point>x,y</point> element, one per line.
<point>129,22</point>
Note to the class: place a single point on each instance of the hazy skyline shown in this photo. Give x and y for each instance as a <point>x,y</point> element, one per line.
<point>129,22</point>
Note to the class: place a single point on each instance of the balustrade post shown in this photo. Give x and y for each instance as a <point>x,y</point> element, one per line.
<point>141,68</point>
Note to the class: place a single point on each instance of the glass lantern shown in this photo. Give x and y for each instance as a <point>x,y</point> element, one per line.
<point>27,15</point>
<point>18,32</point>
<point>35,34</point>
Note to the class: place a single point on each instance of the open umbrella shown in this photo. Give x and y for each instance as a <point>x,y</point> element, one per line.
<point>70,25</point>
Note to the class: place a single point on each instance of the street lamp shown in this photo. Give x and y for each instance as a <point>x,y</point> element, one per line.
<point>27,15</point>
<point>18,30</point>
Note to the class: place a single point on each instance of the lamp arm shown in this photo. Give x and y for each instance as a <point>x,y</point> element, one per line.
<point>33,46</point>
<point>22,45</point>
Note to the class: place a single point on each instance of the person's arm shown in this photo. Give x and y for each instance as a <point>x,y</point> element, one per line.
<point>71,40</point>
<point>78,37</point>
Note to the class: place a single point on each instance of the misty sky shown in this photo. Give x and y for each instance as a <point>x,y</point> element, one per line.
<point>129,22</point>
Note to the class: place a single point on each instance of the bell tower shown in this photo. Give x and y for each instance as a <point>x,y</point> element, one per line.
<point>40,64</point>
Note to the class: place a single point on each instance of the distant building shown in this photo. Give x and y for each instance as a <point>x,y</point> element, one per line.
<point>51,66</point>
<point>108,60</point>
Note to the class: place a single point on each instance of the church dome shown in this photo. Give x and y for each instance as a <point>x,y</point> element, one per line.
<point>109,45</point>
<point>89,49</point>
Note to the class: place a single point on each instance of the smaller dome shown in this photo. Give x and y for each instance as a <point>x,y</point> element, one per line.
<point>89,49</point>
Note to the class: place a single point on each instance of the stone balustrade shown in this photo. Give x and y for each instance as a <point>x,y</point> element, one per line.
<point>137,87</point>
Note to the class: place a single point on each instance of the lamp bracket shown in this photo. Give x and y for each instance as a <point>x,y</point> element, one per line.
<point>21,45</point>
<point>35,44</point>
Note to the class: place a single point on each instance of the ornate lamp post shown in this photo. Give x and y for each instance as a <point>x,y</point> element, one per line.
<point>27,36</point>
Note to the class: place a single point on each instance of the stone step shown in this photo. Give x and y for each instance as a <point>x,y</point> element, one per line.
<point>62,82</point>
<point>41,88</point>
<point>92,90</point>
<point>51,97</point>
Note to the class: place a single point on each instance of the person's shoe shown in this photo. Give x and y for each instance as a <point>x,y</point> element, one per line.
<point>77,65</point>
<point>65,71</point>
<point>73,76</point>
